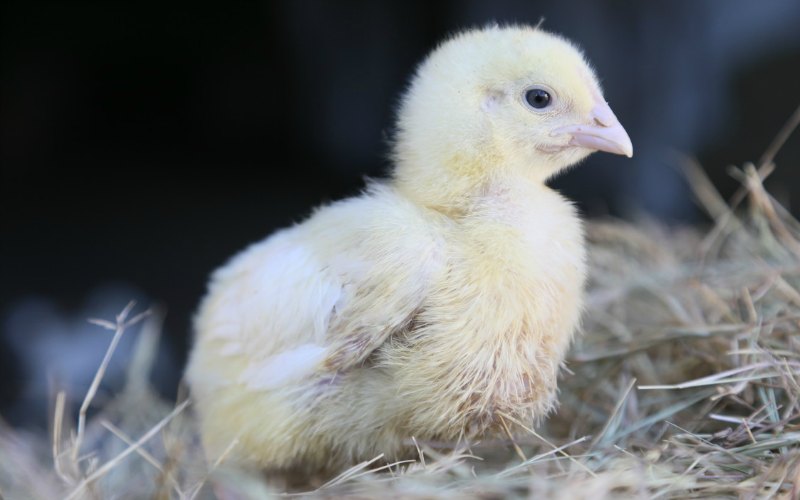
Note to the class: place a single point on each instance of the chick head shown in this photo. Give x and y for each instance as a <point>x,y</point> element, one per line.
<point>503,99</point>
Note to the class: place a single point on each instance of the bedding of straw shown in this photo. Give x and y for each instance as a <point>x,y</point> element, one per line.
<point>684,384</point>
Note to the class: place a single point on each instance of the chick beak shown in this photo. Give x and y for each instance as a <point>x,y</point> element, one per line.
<point>604,134</point>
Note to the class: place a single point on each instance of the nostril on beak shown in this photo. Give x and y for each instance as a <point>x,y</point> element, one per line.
<point>603,115</point>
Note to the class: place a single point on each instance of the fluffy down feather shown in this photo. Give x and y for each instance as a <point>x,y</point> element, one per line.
<point>437,304</point>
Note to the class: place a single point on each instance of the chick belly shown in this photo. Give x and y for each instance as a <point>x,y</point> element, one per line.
<point>478,365</point>
<point>360,417</point>
<point>478,401</point>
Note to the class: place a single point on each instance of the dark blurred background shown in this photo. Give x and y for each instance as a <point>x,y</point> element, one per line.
<point>141,144</point>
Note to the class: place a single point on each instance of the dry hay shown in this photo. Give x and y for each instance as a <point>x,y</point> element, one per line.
<point>683,384</point>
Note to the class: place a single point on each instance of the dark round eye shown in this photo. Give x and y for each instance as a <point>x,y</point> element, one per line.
<point>537,98</point>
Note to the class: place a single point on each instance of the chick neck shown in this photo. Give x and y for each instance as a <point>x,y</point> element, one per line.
<point>455,186</point>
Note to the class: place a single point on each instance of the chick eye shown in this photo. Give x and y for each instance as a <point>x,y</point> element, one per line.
<point>537,98</point>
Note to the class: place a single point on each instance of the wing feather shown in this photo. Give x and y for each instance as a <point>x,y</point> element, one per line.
<point>323,295</point>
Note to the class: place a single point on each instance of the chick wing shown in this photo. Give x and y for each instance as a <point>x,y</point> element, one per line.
<point>321,296</point>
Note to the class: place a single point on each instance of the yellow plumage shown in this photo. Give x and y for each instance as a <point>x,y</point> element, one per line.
<point>435,304</point>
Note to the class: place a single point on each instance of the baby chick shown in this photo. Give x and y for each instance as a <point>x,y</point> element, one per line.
<point>439,303</point>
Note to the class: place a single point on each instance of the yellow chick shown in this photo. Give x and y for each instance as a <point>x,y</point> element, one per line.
<point>439,303</point>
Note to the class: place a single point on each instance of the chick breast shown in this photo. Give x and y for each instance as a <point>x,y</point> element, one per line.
<point>378,320</point>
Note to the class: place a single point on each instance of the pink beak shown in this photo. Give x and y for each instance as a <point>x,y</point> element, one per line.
<point>605,134</point>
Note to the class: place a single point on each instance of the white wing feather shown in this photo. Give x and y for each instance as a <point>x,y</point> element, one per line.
<point>329,290</point>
